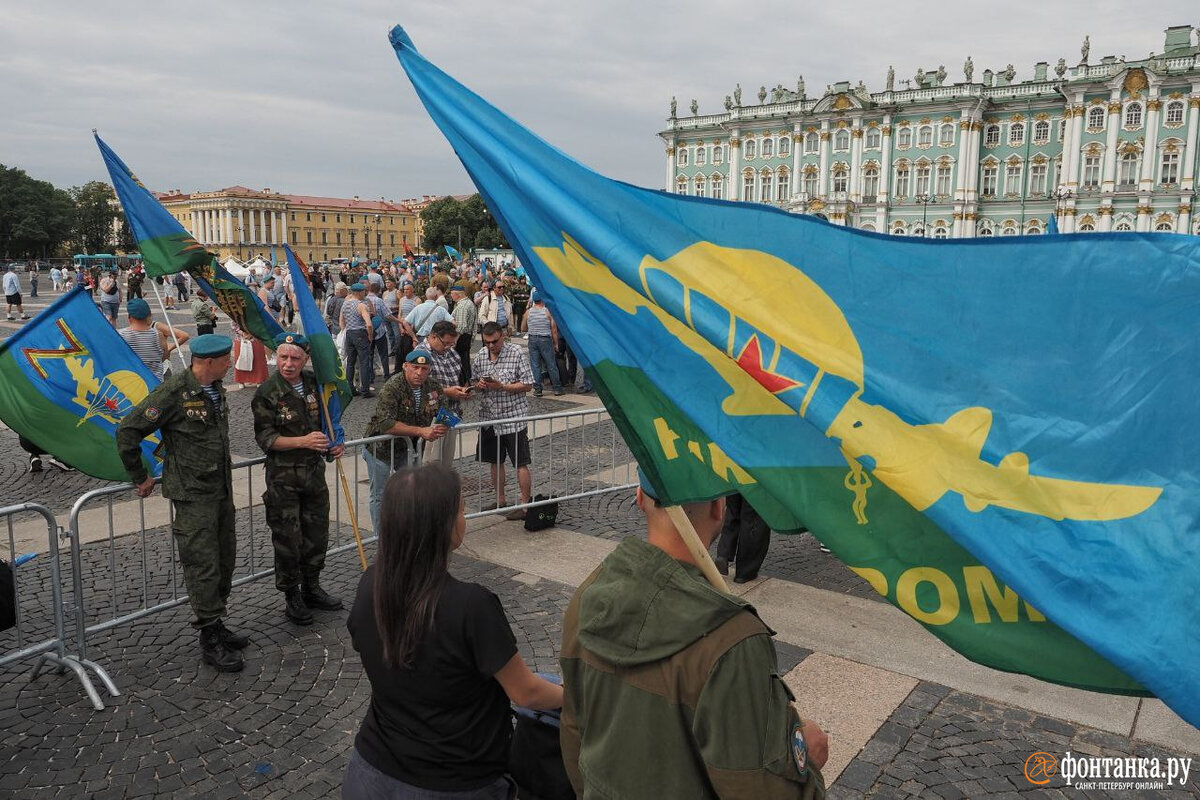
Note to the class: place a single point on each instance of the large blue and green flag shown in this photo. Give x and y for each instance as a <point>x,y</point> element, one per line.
<point>238,301</point>
<point>992,432</point>
<point>166,246</point>
<point>67,378</point>
<point>326,362</point>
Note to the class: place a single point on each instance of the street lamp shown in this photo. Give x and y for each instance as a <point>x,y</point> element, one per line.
<point>378,239</point>
<point>924,200</point>
<point>1061,195</point>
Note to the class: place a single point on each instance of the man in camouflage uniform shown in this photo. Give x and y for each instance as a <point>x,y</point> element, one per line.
<point>189,409</point>
<point>287,426</point>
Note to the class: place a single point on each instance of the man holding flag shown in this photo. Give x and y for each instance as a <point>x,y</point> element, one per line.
<point>287,426</point>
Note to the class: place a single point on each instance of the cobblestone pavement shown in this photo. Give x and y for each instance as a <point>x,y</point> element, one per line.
<point>941,743</point>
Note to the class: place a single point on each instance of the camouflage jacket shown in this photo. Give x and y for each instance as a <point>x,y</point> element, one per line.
<point>397,404</point>
<point>279,411</point>
<point>195,439</point>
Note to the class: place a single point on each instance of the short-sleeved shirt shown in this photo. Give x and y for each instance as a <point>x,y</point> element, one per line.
<point>443,723</point>
<point>12,283</point>
<point>425,316</point>
<point>465,315</point>
<point>510,366</point>
<point>351,317</point>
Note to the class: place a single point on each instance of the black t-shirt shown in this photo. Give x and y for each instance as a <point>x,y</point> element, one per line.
<point>444,724</point>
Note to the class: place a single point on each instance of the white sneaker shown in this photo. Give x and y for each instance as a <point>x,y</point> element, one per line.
<point>59,464</point>
<point>35,463</point>
<point>11,317</point>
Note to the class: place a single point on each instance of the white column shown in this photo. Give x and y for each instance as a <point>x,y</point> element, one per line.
<point>1189,154</point>
<point>194,228</point>
<point>275,227</point>
<point>1108,179</point>
<point>251,238</point>
<point>670,187</point>
<point>228,213</point>
<point>1185,220</point>
<point>797,147</point>
<point>1070,123</point>
<point>885,175</point>
<point>1150,151</point>
<point>262,226</point>
<point>856,142</point>
<point>735,161</point>
<point>1071,170</point>
<point>1104,223</point>
<point>283,231</point>
<point>826,152</point>
<point>241,226</point>
<point>208,230</point>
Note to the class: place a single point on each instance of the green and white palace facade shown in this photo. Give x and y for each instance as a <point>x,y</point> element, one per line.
<point>1110,146</point>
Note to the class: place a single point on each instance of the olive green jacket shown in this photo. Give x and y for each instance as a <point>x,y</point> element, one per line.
<point>397,404</point>
<point>195,439</point>
<point>279,411</point>
<point>672,688</point>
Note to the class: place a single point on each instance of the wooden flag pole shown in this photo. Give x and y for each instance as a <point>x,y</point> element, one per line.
<point>167,322</point>
<point>699,552</point>
<point>362,554</point>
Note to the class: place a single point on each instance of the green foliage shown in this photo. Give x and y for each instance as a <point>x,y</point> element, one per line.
<point>95,212</point>
<point>460,224</point>
<point>35,217</point>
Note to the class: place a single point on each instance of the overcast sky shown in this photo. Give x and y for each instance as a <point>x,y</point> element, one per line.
<point>308,98</point>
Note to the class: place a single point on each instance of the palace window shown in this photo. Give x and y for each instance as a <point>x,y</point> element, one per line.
<point>1062,129</point>
<point>681,156</point>
<point>1127,171</point>
<point>941,232</point>
<point>904,138</point>
<point>1164,227</point>
<point>1123,227</point>
<point>295,238</point>
<point>1009,230</point>
<point>841,141</point>
<point>324,237</point>
<point>903,174</point>
<point>352,219</point>
<point>1133,115</point>
<point>1091,171</point>
<point>339,219</point>
<point>985,228</point>
<point>1037,180</point>
<point>768,148</point>
<point>308,216</point>
<point>1174,115</point>
<point>922,179</point>
<point>1169,174</point>
<point>322,216</point>
<point>925,136</point>
<point>766,186</point>
<point>785,146</point>
<point>748,185</point>
<point>810,184</point>
<point>943,180</point>
<point>701,186</point>
<point>783,187</point>
<point>1016,134</point>
<point>309,237</point>
<point>1012,178</point>
<point>681,185</point>
<point>751,148</point>
<point>1095,118</point>
<point>987,183</point>
<point>1041,132</point>
<point>701,155</point>
<point>947,137</point>
<point>338,237</point>
<point>718,153</point>
<point>1034,228</point>
<point>293,216</point>
<point>874,138</point>
<point>718,186</point>
<point>840,179</point>
<point>991,136</point>
<point>870,184</point>
<point>812,142</point>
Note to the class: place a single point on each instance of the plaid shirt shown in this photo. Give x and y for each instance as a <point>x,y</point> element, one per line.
<point>510,366</point>
<point>446,368</point>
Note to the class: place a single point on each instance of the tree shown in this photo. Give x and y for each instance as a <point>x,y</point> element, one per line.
<point>35,217</point>
<point>126,242</point>
<point>466,223</point>
<point>94,216</point>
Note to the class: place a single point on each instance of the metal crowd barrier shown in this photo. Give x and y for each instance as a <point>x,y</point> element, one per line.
<point>575,454</point>
<point>31,635</point>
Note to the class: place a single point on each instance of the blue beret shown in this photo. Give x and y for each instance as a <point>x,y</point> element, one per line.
<point>211,345</point>
<point>420,357</point>
<point>458,287</point>
<point>358,287</point>
<point>644,482</point>
<point>138,308</point>
<point>298,339</point>
<point>268,279</point>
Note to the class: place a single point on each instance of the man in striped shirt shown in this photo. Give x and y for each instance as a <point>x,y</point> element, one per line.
<point>465,315</point>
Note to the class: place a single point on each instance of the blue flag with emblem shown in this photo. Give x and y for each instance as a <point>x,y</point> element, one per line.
<point>992,432</point>
<point>454,254</point>
<point>67,379</point>
<point>323,353</point>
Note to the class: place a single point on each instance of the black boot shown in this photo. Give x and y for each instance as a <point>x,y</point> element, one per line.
<point>234,641</point>
<point>214,652</point>
<point>316,597</point>
<point>296,610</point>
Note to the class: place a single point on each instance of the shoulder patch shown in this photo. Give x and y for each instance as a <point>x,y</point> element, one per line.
<point>152,413</point>
<point>799,749</point>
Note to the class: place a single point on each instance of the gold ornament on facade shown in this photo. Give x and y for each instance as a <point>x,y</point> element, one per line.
<point>1042,116</point>
<point>841,123</point>
<point>1153,105</point>
<point>1144,210</point>
<point>857,133</point>
<point>1106,211</point>
<point>948,118</point>
<point>735,142</point>
<point>797,138</point>
<point>1040,159</point>
<point>1136,82</point>
<point>1194,102</point>
<point>1185,209</point>
<point>958,216</point>
<point>1078,112</point>
<point>976,126</point>
<point>670,151</point>
<point>1163,217</point>
<point>925,121</point>
<point>816,205</point>
<point>811,129</point>
<point>825,135</point>
<point>1068,211</point>
<point>1018,117</point>
<point>1114,107</point>
<point>887,129</point>
<point>842,103</point>
<point>971,216</point>
<point>965,124</point>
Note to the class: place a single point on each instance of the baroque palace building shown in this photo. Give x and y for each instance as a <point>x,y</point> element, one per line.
<point>1109,146</point>
<point>245,223</point>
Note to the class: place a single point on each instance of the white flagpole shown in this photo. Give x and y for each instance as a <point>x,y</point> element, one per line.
<point>167,320</point>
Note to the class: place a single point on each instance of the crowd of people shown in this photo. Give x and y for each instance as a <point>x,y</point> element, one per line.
<point>655,664</point>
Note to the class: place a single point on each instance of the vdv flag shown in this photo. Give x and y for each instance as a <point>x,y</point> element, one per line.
<point>323,354</point>
<point>241,304</point>
<point>165,245</point>
<point>995,433</point>
<point>454,254</point>
<point>67,378</point>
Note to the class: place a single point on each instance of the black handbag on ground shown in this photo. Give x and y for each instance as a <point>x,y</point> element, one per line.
<point>535,757</point>
<point>541,517</point>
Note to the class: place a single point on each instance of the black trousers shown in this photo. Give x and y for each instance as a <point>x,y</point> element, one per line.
<point>463,348</point>
<point>745,537</point>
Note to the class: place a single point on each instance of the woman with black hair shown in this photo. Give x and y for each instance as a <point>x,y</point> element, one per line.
<point>440,655</point>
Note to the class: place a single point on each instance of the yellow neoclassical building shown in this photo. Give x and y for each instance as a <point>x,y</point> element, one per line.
<point>244,223</point>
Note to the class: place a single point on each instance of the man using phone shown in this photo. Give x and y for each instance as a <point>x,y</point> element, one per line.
<point>504,380</point>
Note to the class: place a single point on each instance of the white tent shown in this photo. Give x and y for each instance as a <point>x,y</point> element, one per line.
<point>236,268</point>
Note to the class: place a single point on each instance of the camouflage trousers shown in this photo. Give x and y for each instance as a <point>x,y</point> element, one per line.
<point>206,536</point>
<point>297,510</point>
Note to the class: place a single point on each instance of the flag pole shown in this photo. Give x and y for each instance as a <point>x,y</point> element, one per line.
<point>167,321</point>
<point>699,552</point>
<point>362,554</point>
